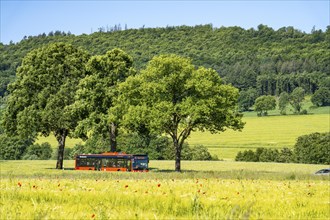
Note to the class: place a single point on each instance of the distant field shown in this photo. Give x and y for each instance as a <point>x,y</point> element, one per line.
<point>204,190</point>
<point>271,131</point>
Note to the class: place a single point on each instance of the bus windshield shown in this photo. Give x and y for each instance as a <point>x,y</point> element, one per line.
<point>140,164</point>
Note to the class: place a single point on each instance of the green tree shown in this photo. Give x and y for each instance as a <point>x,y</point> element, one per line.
<point>321,97</point>
<point>171,96</point>
<point>313,148</point>
<point>283,102</point>
<point>45,87</point>
<point>263,104</point>
<point>246,99</point>
<point>96,93</point>
<point>296,99</point>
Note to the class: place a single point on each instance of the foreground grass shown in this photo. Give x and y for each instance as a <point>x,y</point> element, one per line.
<point>204,190</point>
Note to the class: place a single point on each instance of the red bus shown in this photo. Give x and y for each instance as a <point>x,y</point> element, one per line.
<point>112,161</point>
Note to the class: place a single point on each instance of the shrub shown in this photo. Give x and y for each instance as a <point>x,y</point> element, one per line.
<point>313,148</point>
<point>285,156</point>
<point>199,152</point>
<point>38,152</point>
<point>156,147</point>
<point>266,155</point>
<point>269,155</point>
<point>247,155</point>
<point>12,148</point>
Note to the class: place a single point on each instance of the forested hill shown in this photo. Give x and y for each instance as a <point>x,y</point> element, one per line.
<point>266,59</point>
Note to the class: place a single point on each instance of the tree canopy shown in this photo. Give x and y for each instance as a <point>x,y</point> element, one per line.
<point>44,89</point>
<point>171,96</point>
<point>97,91</point>
<point>264,104</point>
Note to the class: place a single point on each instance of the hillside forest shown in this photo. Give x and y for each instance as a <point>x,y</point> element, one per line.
<point>267,60</point>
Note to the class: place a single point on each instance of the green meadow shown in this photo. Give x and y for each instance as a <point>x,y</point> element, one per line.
<point>271,131</point>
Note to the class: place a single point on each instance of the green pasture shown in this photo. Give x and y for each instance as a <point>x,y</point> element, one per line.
<point>204,190</point>
<point>271,131</point>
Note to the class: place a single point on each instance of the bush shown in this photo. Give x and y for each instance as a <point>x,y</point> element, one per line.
<point>155,146</point>
<point>285,156</point>
<point>199,152</point>
<point>266,155</point>
<point>12,148</point>
<point>247,155</point>
<point>38,152</point>
<point>269,155</point>
<point>313,148</point>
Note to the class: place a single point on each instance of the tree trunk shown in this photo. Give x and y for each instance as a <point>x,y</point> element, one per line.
<point>60,137</point>
<point>177,148</point>
<point>113,137</point>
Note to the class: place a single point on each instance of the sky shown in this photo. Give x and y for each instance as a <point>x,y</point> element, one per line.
<point>31,18</point>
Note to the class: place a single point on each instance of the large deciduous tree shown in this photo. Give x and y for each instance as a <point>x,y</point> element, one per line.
<point>96,94</point>
<point>44,88</point>
<point>171,96</point>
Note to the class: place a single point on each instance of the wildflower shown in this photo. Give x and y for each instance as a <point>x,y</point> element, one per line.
<point>19,184</point>
<point>93,216</point>
<point>59,185</point>
<point>158,185</point>
<point>126,186</point>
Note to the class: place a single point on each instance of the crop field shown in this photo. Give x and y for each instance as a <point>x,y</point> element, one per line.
<point>204,190</point>
<point>272,131</point>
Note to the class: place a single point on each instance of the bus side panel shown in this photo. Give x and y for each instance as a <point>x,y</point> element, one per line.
<point>85,168</point>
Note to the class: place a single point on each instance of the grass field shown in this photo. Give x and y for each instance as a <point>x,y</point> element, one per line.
<point>272,131</point>
<point>204,190</point>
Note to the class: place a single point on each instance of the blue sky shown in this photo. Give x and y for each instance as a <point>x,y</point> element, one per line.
<point>25,18</point>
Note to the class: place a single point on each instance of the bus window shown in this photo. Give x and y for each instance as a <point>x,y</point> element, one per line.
<point>140,163</point>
